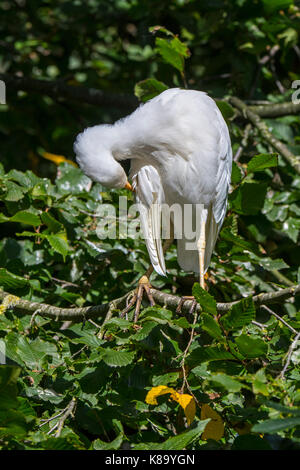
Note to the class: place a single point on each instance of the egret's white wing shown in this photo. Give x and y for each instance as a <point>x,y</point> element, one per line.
<point>217,211</point>
<point>224,173</point>
<point>149,195</point>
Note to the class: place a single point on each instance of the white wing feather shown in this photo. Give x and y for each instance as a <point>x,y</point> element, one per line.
<point>149,195</point>
<point>224,173</point>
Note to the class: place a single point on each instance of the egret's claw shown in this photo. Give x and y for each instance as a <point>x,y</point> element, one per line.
<point>184,299</point>
<point>144,286</point>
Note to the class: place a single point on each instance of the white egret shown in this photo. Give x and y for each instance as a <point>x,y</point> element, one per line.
<point>180,153</point>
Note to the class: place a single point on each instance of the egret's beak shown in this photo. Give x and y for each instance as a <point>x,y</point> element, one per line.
<point>128,186</point>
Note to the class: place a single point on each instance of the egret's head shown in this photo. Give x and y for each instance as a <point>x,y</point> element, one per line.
<point>94,156</point>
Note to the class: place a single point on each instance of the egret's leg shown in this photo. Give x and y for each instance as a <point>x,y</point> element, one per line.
<point>144,286</point>
<point>201,250</point>
<point>201,244</point>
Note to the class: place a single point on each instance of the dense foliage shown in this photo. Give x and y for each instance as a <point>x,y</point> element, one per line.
<point>87,384</point>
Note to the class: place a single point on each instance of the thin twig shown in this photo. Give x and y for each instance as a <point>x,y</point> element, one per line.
<point>244,142</point>
<point>279,318</point>
<point>46,421</point>
<point>182,364</point>
<point>256,323</point>
<point>289,356</point>
<point>92,322</point>
<point>68,412</point>
<point>64,283</point>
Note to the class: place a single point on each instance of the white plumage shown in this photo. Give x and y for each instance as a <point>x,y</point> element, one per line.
<point>180,153</point>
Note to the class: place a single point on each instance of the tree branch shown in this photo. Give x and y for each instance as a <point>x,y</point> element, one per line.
<point>161,298</point>
<point>94,96</point>
<point>268,136</point>
<point>276,109</point>
<point>59,89</point>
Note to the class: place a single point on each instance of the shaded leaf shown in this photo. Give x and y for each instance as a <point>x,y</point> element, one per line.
<point>215,428</point>
<point>204,299</point>
<point>148,89</point>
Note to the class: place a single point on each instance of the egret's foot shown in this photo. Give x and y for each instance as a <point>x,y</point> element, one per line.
<point>191,297</point>
<point>184,299</point>
<point>144,286</point>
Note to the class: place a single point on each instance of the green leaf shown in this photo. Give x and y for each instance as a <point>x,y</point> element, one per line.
<point>26,217</point>
<point>11,281</point>
<point>239,315</point>
<point>13,422</point>
<point>23,217</point>
<point>204,299</point>
<point>262,161</point>
<point>72,180</point>
<point>248,198</point>
<point>209,353</point>
<point>259,383</point>
<point>290,36</point>
<point>118,358</point>
<point>69,442</point>
<point>179,442</point>
<point>272,426</point>
<point>230,384</point>
<point>172,51</point>
<point>291,227</point>
<point>144,331</point>
<point>281,408</point>
<point>272,6</point>
<point>51,222</point>
<point>31,357</point>
<point>236,174</point>
<point>19,177</point>
<point>210,325</point>
<point>251,347</point>
<point>225,108</point>
<point>271,264</point>
<point>239,242</point>
<point>59,243</point>
<point>121,323</point>
<point>113,445</point>
<point>14,192</point>
<point>148,89</point>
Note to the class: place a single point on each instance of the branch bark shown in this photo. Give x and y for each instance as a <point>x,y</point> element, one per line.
<point>276,109</point>
<point>59,89</point>
<point>268,136</point>
<point>169,301</point>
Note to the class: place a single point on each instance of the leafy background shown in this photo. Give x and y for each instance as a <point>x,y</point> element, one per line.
<point>83,385</point>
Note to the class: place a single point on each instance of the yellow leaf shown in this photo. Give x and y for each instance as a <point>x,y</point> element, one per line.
<point>157,392</point>
<point>188,404</point>
<point>57,159</point>
<point>215,428</point>
<point>186,401</point>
